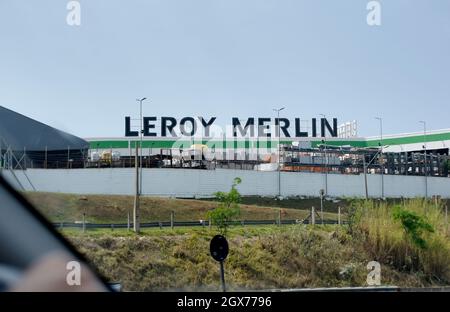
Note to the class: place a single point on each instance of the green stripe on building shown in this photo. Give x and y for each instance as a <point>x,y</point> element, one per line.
<point>247,144</point>
<point>411,139</point>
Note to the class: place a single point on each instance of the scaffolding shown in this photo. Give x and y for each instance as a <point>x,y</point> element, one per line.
<point>350,160</point>
<point>322,158</point>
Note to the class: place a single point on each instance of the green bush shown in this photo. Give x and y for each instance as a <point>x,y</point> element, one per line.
<point>415,226</point>
<point>410,238</point>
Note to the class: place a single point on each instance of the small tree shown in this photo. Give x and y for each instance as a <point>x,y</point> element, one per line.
<point>228,208</point>
<point>354,212</point>
<point>415,226</point>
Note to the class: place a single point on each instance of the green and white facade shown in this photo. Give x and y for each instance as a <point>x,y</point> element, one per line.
<point>437,140</point>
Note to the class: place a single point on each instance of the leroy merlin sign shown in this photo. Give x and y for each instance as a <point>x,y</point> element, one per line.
<point>251,127</point>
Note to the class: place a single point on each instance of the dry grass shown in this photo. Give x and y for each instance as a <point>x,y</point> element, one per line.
<point>386,241</point>
<point>260,258</point>
<point>114,209</point>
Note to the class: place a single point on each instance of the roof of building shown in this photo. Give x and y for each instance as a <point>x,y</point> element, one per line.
<point>19,132</point>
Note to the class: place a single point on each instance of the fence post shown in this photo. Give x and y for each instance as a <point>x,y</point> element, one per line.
<point>339,215</point>
<point>128,223</point>
<point>84,222</point>
<point>313,215</point>
<point>210,223</point>
<point>172,218</point>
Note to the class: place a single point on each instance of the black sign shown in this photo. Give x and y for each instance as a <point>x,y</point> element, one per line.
<point>219,248</point>
<point>254,127</point>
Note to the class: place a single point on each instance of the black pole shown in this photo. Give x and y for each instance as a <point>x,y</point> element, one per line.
<point>222,276</point>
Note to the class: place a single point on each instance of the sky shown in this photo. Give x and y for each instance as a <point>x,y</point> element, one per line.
<point>226,58</point>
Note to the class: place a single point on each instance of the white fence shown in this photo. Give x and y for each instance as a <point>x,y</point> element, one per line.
<point>204,183</point>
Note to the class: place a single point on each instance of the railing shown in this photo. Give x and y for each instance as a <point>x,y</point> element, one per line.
<point>168,224</point>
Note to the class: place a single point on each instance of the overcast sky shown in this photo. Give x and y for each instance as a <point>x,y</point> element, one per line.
<point>226,58</point>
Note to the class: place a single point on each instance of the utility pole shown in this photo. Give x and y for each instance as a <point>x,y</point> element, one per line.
<point>278,110</point>
<point>324,142</point>
<point>141,132</point>
<point>136,210</point>
<point>365,167</point>
<point>425,156</point>
<point>322,193</point>
<point>365,176</point>
<point>381,155</point>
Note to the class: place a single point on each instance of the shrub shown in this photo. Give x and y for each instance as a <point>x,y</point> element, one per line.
<point>410,237</point>
<point>415,226</point>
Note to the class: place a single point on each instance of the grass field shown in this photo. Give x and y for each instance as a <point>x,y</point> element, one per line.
<point>261,257</point>
<point>115,209</point>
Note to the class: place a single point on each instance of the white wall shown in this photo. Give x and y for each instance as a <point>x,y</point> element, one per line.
<point>190,183</point>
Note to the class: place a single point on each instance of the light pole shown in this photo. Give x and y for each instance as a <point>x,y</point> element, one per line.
<point>366,167</point>
<point>425,156</point>
<point>381,155</point>
<point>278,110</point>
<point>326,158</point>
<point>141,132</point>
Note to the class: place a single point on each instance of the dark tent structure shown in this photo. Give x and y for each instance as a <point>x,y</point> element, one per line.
<point>27,143</point>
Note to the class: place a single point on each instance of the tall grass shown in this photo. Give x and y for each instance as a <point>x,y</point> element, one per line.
<point>387,241</point>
